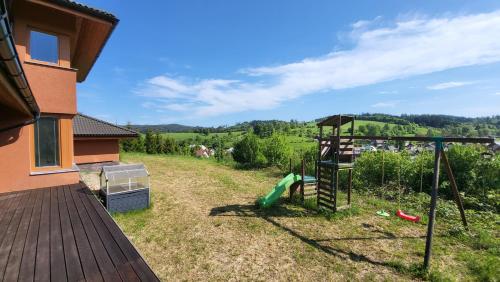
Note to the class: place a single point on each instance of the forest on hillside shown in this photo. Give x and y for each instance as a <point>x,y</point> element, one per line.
<point>444,125</point>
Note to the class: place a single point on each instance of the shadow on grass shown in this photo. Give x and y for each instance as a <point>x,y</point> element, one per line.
<point>415,270</point>
<point>254,211</point>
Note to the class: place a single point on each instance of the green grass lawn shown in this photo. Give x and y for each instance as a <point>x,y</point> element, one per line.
<point>203,225</point>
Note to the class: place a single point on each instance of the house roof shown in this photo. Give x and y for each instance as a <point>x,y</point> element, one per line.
<point>86,10</point>
<point>86,126</point>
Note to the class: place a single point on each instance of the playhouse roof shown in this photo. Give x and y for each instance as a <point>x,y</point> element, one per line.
<point>86,126</point>
<point>334,120</point>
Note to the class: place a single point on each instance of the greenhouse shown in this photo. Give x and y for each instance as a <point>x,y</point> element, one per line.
<point>125,187</point>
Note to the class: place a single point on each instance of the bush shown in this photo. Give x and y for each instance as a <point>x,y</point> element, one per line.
<point>248,152</point>
<point>477,178</point>
<point>277,151</point>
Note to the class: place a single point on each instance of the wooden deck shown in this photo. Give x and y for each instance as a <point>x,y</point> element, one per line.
<point>64,234</point>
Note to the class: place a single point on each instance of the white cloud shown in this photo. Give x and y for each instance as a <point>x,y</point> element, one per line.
<point>406,48</point>
<point>386,104</point>
<point>388,92</point>
<point>450,84</point>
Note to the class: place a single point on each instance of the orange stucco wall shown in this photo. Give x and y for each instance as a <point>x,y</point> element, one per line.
<point>53,85</point>
<point>54,88</point>
<point>15,164</point>
<point>96,150</point>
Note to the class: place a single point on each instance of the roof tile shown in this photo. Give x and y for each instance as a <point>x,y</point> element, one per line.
<point>86,126</point>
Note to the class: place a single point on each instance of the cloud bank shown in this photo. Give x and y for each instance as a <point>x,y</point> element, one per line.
<point>399,50</point>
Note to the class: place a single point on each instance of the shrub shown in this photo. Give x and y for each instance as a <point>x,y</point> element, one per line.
<point>248,152</point>
<point>276,150</point>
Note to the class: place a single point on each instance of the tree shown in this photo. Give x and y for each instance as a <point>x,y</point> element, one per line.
<point>169,146</point>
<point>157,143</point>
<point>248,151</point>
<point>373,130</point>
<point>149,142</point>
<point>276,150</point>
<point>127,143</point>
<point>362,129</point>
<point>138,144</point>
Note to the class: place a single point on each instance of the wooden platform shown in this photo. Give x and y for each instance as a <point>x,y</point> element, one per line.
<point>64,234</point>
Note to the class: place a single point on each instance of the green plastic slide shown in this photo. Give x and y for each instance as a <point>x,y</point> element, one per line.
<point>275,194</point>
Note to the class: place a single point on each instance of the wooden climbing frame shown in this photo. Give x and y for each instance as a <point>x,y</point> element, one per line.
<point>335,153</point>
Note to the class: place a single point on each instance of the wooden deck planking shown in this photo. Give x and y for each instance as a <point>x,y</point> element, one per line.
<point>27,269</point>
<point>73,265</point>
<point>16,252</point>
<point>10,233</point>
<point>89,265</point>
<point>142,269</point>
<point>121,264</point>
<point>42,261</point>
<point>64,234</point>
<point>57,261</point>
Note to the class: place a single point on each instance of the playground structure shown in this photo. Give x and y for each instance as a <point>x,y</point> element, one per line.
<point>336,153</point>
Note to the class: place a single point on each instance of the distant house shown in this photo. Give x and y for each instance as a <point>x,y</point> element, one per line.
<point>495,147</point>
<point>410,147</point>
<point>97,141</point>
<point>368,148</point>
<point>429,147</point>
<point>377,143</point>
<point>202,152</point>
<point>391,148</point>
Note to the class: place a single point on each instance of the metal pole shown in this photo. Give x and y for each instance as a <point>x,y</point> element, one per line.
<point>432,211</point>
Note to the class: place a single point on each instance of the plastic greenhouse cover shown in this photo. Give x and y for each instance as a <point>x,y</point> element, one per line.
<point>124,171</point>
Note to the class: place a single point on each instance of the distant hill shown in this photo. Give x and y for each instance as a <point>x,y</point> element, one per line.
<point>173,127</point>
<point>449,125</point>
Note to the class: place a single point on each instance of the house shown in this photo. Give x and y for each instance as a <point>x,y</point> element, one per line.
<point>97,141</point>
<point>368,148</point>
<point>494,147</point>
<point>51,225</point>
<point>202,152</point>
<point>51,46</point>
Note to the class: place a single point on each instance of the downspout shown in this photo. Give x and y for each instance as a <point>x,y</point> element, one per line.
<point>13,68</point>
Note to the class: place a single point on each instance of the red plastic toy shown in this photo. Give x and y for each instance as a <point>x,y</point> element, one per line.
<point>402,215</point>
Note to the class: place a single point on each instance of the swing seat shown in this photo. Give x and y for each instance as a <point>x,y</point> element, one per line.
<point>404,216</point>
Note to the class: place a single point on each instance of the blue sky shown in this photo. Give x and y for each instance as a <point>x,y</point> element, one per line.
<point>221,62</point>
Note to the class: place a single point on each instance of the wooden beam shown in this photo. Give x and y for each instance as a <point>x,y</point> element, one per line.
<point>76,37</point>
<point>479,140</point>
<point>454,188</point>
<point>432,210</point>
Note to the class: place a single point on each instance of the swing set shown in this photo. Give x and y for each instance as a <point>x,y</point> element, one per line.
<point>399,212</point>
<point>336,152</point>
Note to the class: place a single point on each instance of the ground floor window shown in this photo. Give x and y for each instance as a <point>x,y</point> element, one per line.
<point>47,142</point>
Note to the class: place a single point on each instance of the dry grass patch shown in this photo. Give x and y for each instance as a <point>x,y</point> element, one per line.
<point>203,225</point>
